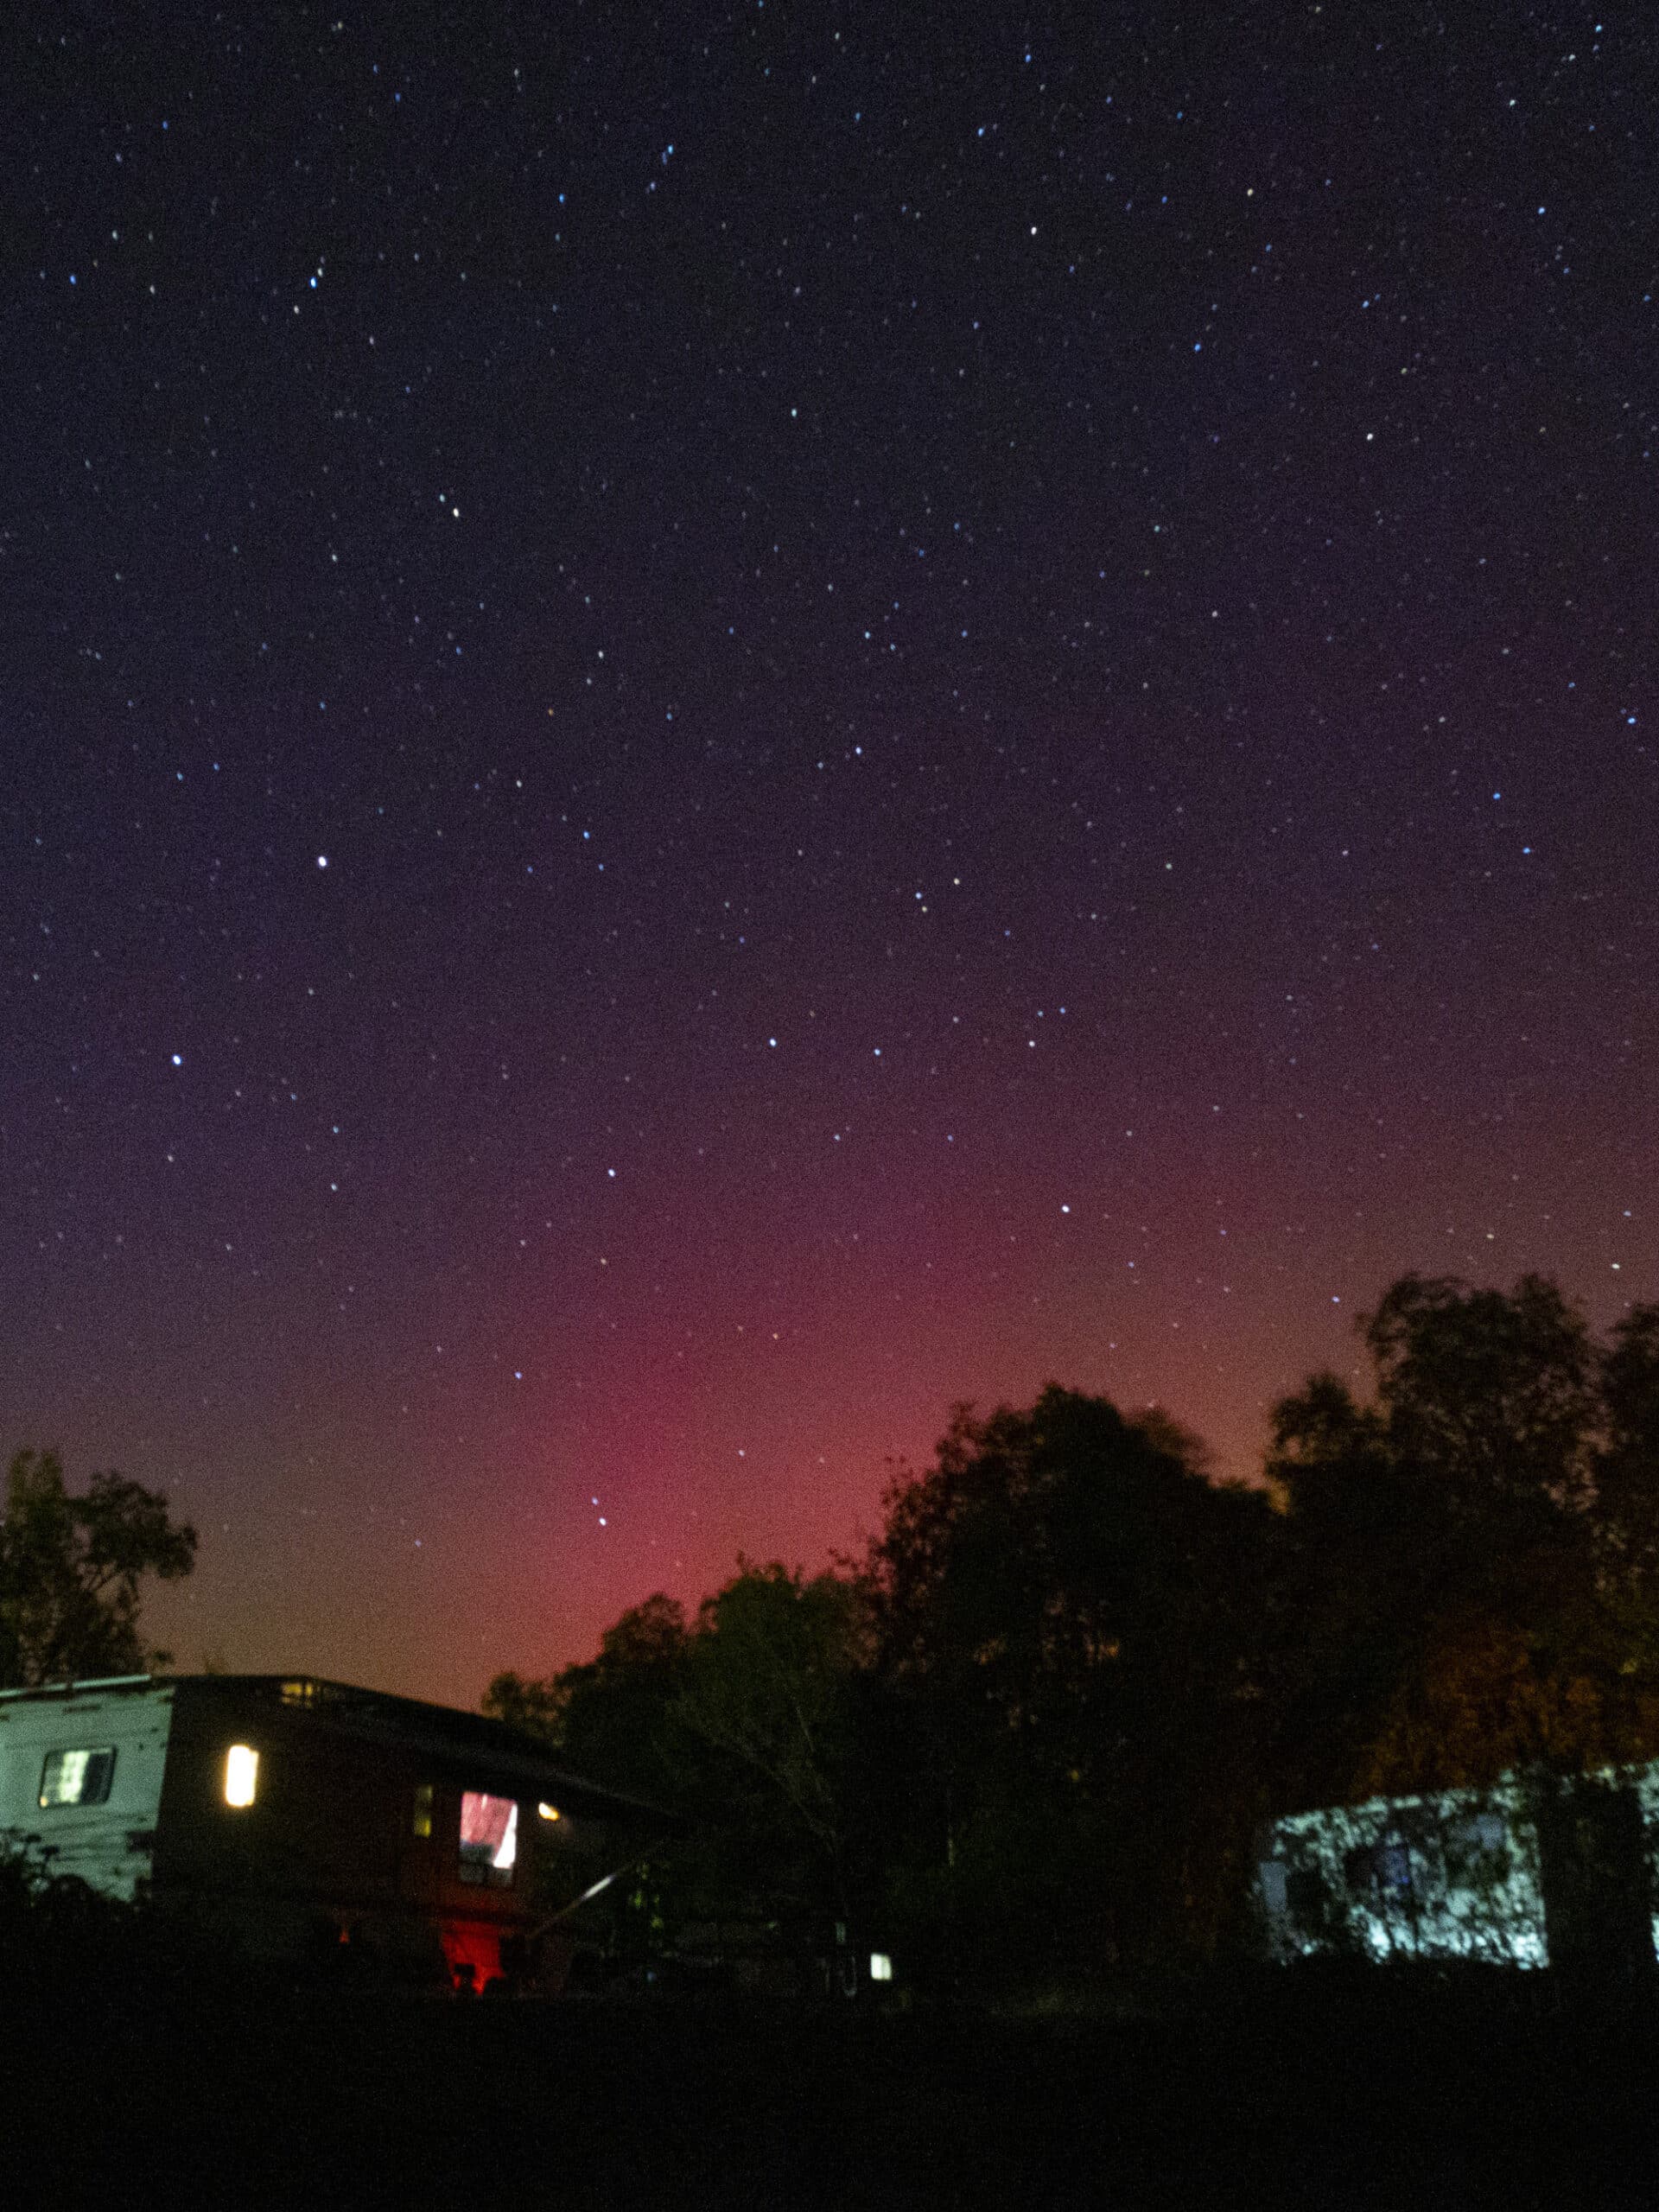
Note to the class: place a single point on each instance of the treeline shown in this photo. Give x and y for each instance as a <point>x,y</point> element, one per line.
<point>1033,1731</point>
<point>1030,1733</point>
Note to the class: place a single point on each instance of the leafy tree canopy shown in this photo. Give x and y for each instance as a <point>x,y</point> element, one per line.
<point>608,1715</point>
<point>1485,1410</point>
<point>1474,1553</point>
<point>1073,1575</point>
<point>70,1570</point>
<point>746,1721</point>
<point>1071,1611</point>
<point>769,1690</point>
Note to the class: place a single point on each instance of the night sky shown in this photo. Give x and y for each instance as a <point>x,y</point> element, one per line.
<point>722,726</point>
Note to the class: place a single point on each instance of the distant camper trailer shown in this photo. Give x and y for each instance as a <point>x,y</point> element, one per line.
<point>1535,1871</point>
<point>296,1819</point>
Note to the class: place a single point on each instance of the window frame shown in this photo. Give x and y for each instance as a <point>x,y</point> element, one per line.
<point>99,1762</point>
<point>485,1874</point>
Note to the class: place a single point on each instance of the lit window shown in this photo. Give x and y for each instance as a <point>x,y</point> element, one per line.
<point>549,1812</point>
<point>881,1967</point>
<point>77,1777</point>
<point>241,1774</point>
<point>421,1823</point>
<point>489,1838</point>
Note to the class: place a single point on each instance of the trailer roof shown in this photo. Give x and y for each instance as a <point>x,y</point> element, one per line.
<point>87,1683</point>
<point>441,1731</point>
<point>447,1732</point>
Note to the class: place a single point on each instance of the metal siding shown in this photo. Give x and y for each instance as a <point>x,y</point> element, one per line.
<point>1497,1919</point>
<point>111,1846</point>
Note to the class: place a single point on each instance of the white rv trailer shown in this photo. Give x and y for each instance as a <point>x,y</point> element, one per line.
<point>288,1815</point>
<point>1537,1870</point>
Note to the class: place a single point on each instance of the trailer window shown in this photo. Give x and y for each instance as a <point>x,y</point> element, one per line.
<point>77,1777</point>
<point>1308,1901</point>
<point>489,1838</point>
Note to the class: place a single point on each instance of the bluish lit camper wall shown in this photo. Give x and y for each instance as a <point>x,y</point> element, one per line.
<point>1452,1877</point>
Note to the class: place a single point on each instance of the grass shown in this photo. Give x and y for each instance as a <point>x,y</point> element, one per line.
<point>153,2080</point>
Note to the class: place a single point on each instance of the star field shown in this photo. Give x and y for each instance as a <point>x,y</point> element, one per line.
<point>717,730</point>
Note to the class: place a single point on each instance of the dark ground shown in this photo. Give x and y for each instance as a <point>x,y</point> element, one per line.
<point>1312,2097</point>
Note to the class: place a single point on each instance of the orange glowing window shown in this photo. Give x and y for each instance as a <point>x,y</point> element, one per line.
<point>241,1775</point>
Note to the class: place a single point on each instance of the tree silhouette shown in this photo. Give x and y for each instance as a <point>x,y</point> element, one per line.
<point>1471,1557</point>
<point>771,1696</point>
<point>1072,1612</point>
<point>609,1716</point>
<point>70,1570</point>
